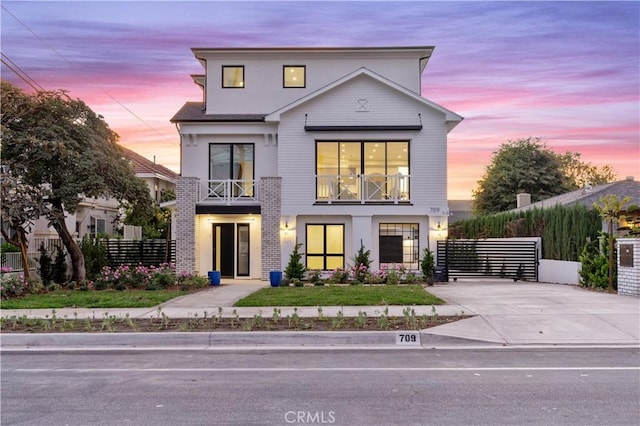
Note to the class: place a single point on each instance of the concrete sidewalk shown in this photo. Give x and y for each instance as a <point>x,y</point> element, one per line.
<point>504,313</point>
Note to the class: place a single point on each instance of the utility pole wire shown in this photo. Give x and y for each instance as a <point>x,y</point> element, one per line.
<point>20,73</point>
<point>70,64</point>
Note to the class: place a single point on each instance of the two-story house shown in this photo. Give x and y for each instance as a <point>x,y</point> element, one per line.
<point>328,147</point>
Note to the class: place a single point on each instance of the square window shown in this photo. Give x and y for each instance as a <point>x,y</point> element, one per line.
<point>233,76</point>
<point>294,76</point>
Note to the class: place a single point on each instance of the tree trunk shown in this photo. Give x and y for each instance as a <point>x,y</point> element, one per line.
<point>78,272</point>
<point>19,241</point>
<point>22,244</point>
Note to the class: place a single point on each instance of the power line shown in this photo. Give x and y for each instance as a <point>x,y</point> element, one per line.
<point>50,47</point>
<point>20,73</point>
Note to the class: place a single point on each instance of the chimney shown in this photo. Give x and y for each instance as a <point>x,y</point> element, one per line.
<point>523,200</point>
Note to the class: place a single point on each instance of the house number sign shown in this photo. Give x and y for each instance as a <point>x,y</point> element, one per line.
<point>408,338</point>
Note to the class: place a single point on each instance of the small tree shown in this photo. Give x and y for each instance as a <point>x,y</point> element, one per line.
<point>295,268</point>
<point>361,263</point>
<point>609,208</point>
<point>427,265</point>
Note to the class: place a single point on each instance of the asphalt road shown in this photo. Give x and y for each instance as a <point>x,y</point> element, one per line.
<point>508,386</point>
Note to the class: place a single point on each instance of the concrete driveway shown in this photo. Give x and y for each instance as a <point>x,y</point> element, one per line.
<point>538,313</point>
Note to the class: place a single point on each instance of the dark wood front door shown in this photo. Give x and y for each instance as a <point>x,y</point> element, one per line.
<point>223,249</point>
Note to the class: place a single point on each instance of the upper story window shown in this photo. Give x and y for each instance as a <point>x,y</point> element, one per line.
<point>364,171</point>
<point>233,164</point>
<point>294,76</point>
<point>233,76</point>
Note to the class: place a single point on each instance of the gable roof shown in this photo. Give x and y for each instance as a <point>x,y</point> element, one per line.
<point>143,166</point>
<point>588,196</point>
<point>452,119</point>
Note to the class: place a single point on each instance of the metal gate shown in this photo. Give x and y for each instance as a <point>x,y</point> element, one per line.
<point>516,259</point>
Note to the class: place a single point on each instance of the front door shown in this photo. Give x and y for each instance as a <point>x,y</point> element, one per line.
<point>223,249</point>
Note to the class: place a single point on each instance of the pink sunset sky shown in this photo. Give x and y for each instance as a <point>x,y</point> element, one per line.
<point>567,72</point>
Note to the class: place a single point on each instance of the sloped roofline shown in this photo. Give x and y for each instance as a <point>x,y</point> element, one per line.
<point>450,117</point>
<point>580,195</point>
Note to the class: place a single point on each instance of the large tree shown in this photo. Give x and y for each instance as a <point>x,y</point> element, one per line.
<point>528,166</point>
<point>58,146</point>
<point>580,174</point>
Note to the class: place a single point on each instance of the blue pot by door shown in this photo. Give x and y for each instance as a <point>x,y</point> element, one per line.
<point>275,277</point>
<point>214,277</point>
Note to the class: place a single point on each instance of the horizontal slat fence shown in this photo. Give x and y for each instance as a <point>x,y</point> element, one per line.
<point>500,258</point>
<point>140,252</point>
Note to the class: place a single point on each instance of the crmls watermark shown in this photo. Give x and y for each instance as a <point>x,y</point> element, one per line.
<point>310,417</point>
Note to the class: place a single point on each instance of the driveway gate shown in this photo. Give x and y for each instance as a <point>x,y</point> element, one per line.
<point>514,258</point>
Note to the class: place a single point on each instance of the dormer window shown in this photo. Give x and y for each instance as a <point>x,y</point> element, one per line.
<point>294,76</point>
<point>233,76</point>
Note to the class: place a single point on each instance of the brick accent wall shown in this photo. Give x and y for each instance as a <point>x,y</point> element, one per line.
<point>629,276</point>
<point>186,198</point>
<point>270,199</point>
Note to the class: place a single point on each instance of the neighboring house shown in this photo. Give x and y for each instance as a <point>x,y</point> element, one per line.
<point>158,178</point>
<point>587,196</point>
<point>328,147</point>
<point>99,215</point>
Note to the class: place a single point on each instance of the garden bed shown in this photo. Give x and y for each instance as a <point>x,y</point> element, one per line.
<point>212,324</point>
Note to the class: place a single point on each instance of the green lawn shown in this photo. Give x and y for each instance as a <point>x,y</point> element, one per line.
<point>356,295</point>
<point>92,299</point>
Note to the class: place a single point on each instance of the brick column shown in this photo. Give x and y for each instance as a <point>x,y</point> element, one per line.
<point>186,198</point>
<point>628,266</point>
<point>270,198</point>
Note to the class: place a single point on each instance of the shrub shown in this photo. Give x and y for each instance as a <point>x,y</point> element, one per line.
<point>339,276</point>
<point>95,257</point>
<point>188,281</point>
<point>595,263</point>
<point>163,278</point>
<point>59,273</point>
<point>14,285</point>
<point>46,269</point>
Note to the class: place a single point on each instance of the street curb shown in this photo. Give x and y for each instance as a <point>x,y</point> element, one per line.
<point>204,340</point>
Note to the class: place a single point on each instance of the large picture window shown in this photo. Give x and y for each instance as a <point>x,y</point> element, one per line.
<point>233,162</point>
<point>371,170</point>
<point>399,244</point>
<point>325,246</point>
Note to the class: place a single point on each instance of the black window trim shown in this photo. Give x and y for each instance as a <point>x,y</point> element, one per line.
<point>222,77</point>
<point>324,244</point>
<point>284,71</point>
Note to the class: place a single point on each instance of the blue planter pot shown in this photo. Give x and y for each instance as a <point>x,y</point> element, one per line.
<point>214,277</point>
<point>275,277</point>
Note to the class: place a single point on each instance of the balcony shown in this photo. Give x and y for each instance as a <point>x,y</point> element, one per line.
<point>228,191</point>
<point>363,189</point>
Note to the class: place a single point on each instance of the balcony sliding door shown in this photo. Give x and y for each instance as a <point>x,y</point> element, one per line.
<point>367,170</point>
<point>231,169</point>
